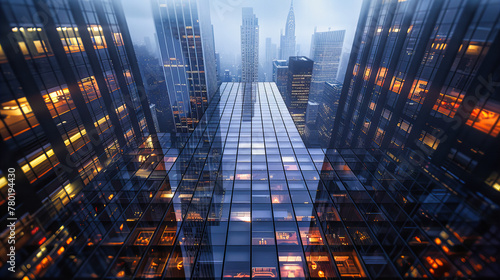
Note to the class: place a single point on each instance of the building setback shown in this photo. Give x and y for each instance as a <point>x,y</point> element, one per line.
<point>187,49</point>
<point>298,85</point>
<point>421,76</point>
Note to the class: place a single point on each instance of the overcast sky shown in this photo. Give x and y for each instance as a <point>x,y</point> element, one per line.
<point>226,18</point>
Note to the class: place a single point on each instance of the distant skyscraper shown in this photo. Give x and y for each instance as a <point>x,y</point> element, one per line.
<point>249,46</point>
<point>156,89</point>
<point>327,110</point>
<point>270,56</point>
<point>344,61</point>
<point>326,48</point>
<point>427,83</point>
<point>287,40</point>
<point>187,50</point>
<point>227,76</point>
<point>298,85</point>
<point>280,76</point>
<point>310,135</point>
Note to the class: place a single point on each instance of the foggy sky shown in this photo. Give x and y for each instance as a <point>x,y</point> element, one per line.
<point>226,19</point>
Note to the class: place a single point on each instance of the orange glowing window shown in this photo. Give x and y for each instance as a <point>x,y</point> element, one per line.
<point>429,140</point>
<point>23,48</point>
<point>143,238</point>
<point>267,272</point>
<point>71,44</point>
<point>382,71</point>
<point>40,46</point>
<point>118,39</point>
<point>418,91</point>
<point>372,106</point>
<point>473,50</point>
<point>396,84</point>
<point>448,104</point>
<point>486,119</point>
<point>367,73</point>
<point>310,236</point>
<point>3,58</point>
<point>291,267</point>
<point>287,238</point>
<point>60,251</point>
<point>19,118</point>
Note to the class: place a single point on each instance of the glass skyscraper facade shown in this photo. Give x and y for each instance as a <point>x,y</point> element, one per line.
<point>422,75</point>
<point>235,192</point>
<point>300,70</point>
<point>187,48</point>
<point>280,76</point>
<point>71,99</point>
<point>243,197</point>
<point>327,111</point>
<point>326,49</point>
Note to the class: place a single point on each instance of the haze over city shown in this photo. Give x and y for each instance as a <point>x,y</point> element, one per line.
<point>226,18</point>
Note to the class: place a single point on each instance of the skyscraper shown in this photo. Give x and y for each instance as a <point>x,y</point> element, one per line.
<point>270,56</point>
<point>327,111</point>
<point>423,77</point>
<point>72,98</point>
<point>243,197</point>
<point>227,76</point>
<point>298,85</point>
<point>249,46</point>
<point>287,40</point>
<point>185,37</point>
<point>280,76</point>
<point>344,61</point>
<point>310,135</point>
<point>326,49</point>
<point>156,89</point>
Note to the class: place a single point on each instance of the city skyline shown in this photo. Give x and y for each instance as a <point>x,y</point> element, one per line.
<point>226,18</point>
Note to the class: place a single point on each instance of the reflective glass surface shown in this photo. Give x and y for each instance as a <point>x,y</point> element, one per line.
<point>242,197</point>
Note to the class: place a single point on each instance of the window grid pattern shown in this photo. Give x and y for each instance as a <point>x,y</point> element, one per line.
<point>243,197</point>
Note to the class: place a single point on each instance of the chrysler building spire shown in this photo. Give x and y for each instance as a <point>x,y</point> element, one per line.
<point>287,43</point>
